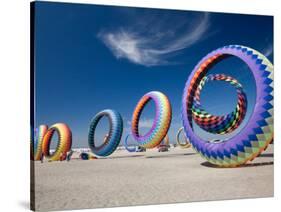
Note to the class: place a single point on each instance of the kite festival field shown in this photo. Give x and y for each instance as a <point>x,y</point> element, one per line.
<point>127,179</point>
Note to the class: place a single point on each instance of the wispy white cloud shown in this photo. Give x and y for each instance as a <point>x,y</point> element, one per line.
<point>154,43</point>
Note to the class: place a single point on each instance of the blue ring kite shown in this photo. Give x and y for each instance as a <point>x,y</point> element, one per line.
<point>114,136</point>
<point>129,149</point>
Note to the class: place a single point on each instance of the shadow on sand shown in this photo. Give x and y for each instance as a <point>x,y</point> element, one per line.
<point>126,156</point>
<point>265,155</point>
<point>171,155</point>
<point>210,165</point>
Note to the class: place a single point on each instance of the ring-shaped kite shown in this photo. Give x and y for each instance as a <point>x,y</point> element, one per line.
<point>64,142</point>
<point>114,136</point>
<point>219,124</point>
<point>127,147</point>
<point>258,131</point>
<point>161,122</point>
<point>38,139</point>
<point>182,145</point>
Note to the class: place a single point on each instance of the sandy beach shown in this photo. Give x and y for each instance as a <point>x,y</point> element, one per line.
<point>126,179</point>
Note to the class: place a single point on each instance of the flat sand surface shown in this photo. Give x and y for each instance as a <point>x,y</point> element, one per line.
<point>126,179</point>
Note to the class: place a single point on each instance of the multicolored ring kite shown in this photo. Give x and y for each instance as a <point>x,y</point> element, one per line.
<point>38,138</point>
<point>182,145</point>
<point>258,131</point>
<point>115,132</point>
<point>161,122</point>
<point>64,142</point>
<point>219,124</point>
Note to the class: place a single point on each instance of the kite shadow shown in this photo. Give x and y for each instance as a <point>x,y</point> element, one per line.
<point>210,165</point>
<point>171,155</point>
<point>265,155</point>
<point>126,156</point>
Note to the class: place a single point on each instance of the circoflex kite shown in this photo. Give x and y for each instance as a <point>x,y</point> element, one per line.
<point>219,124</point>
<point>64,142</point>
<point>161,122</point>
<point>126,145</point>
<point>38,137</point>
<point>182,145</point>
<point>113,138</point>
<point>257,132</point>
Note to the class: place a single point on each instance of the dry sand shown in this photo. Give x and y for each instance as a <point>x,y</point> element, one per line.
<point>152,177</point>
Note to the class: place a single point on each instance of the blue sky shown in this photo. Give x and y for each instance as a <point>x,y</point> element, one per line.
<point>90,58</point>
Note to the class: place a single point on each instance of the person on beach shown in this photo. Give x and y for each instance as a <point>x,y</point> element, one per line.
<point>42,157</point>
<point>68,155</point>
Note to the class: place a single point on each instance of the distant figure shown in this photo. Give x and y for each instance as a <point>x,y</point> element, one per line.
<point>140,149</point>
<point>42,157</point>
<point>68,155</point>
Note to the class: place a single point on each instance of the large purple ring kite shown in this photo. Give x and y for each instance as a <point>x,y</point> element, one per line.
<point>258,131</point>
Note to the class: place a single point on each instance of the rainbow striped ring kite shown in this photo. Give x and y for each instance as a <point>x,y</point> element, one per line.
<point>161,122</point>
<point>38,137</point>
<point>182,145</point>
<point>219,124</point>
<point>64,142</point>
<point>258,131</point>
<point>129,149</point>
<point>113,139</point>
